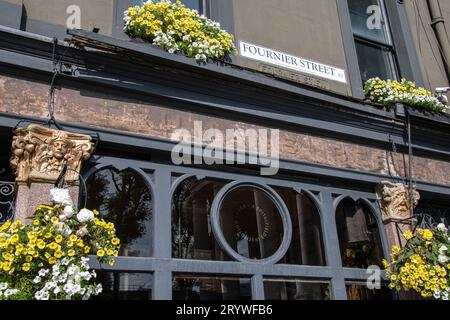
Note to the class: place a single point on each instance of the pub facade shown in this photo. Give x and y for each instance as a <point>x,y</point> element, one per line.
<point>317,228</point>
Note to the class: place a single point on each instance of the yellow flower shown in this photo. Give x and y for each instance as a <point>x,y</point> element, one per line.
<point>26,267</point>
<point>52,260</point>
<point>48,235</point>
<point>58,254</point>
<point>73,238</point>
<point>53,245</point>
<point>395,249</point>
<point>29,258</point>
<point>109,252</point>
<point>87,249</point>
<point>80,243</point>
<point>427,235</point>
<point>100,253</point>
<point>58,239</point>
<point>408,234</point>
<point>36,222</point>
<point>14,239</point>
<point>71,253</point>
<point>54,220</point>
<point>111,262</point>
<point>96,212</point>
<point>115,241</point>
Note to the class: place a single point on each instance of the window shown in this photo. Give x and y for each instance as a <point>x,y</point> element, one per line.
<point>192,236</point>
<point>360,291</point>
<point>196,287</point>
<point>7,179</point>
<point>123,198</point>
<point>295,289</point>
<point>124,286</point>
<point>230,235</point>
<point>306,247</point>
<point>374,46</point>
<point>251,223</point>
<point>359,237</point>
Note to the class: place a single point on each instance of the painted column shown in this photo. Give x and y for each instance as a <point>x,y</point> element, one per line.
<point>38,157</point>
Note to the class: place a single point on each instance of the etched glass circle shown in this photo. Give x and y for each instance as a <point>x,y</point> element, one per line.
<point>251,223</point>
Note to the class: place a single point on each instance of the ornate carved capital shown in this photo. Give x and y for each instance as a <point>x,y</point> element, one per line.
<point>394,201</point>
<point>39,154</point>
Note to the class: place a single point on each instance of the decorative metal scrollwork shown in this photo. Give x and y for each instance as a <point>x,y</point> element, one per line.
<point>429,215</point>
<point>6,201</point>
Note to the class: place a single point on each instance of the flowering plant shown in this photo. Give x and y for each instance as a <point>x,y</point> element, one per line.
<point>177,28</point>
<point>48,258</point>
<point>423,264</point>
<point>388,92</point>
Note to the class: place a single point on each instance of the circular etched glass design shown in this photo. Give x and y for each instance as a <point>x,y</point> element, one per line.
<point>251,223</point>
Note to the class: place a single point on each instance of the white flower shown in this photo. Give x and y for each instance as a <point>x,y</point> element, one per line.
<point>37,279</point>
<point>61,196</point>
<point>10,292</point>
<point>443,259</point>
<point>441,227</point>
<point>3,286</point>
<point>68,211</point>
<point>43,272</point>
<point>85,215</point>
<point>443,249</point>
<point>437,294</point>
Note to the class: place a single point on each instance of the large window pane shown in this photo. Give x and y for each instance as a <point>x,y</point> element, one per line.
<point>123,197</point>
<point>196,287</point>
<point>125,286</point>
<point>192,236</point>
<point>306,246</point>
<point>368,20</point>
<point>375,61</point>
<point>359,236</point>
<point>295,289</point>
<point>361,292</point>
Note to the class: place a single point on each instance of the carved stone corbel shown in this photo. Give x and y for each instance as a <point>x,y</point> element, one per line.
<point>39,154</point>
<point>394,201</point>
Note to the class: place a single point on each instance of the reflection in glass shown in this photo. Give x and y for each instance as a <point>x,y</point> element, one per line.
<point>123,197</point>
<point>375,61</point>
<point>125,286</point>
<point>295,289</point>
<point>368,20</point>
<point>361,292</point>
<point>359,237</point>
<point>306,246</point>
<point>193,287</point>
<point>192,236</point>
<point>251,223</point>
